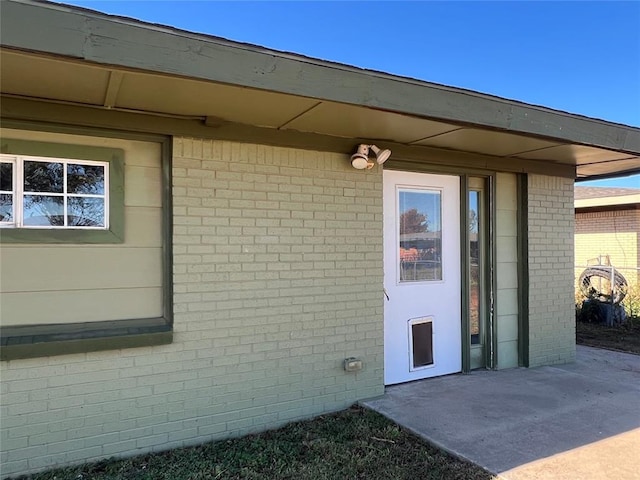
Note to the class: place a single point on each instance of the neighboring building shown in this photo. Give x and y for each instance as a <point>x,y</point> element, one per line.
<point>187,253</point>
<point>608,228</point>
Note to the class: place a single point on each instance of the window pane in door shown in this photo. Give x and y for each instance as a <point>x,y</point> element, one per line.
<point>420,235</point>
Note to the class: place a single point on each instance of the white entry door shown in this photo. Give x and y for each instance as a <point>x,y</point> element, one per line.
<point>422,323</point>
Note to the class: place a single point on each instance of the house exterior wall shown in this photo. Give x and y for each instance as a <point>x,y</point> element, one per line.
<point>615,233</point>
<point>277,279</point>
<point>550,252</point>
<point>38,282</point>
<point>507,269</point>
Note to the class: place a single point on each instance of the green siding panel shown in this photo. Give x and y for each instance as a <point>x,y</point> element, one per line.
<point>506,269</point>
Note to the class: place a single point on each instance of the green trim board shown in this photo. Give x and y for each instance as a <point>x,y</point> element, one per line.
<point>465,253</point>
<point>523,270</point>
<point>491,278</point>
<point>64,339</point>
<point>42,125</point>
<point>487,269</point>
<point>480,184</point>
<point>167,229</point>
<point>115,158</point>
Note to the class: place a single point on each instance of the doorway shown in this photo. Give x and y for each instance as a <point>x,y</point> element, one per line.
<point>422,276</point>
<point>437,277</point>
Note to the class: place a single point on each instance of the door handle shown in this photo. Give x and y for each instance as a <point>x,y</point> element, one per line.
<point>385,293</point>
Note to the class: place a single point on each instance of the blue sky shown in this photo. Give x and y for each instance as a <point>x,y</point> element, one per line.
<point>580,57</point>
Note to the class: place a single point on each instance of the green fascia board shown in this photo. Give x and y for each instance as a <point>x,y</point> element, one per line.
<point>115,157</point>
<point>131,44</point>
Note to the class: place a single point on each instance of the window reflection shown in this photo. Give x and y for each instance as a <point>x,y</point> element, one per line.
<point>43,210</point>
<point>6,192</point>
<point>6,207</point>
<point>53,193</point>
<point>85,179</point>
<point>85,212</point>
<point>474,267</point>
<point>43,177</point>
<point>420,255</point>
<point>6,177</point>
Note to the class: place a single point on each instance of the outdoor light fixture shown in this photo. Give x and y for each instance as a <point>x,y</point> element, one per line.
<point>360,160</point>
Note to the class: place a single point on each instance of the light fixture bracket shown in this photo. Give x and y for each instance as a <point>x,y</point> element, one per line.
<point>361,161</point>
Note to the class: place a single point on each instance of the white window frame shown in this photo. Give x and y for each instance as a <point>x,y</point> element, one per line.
<point>18,191</point>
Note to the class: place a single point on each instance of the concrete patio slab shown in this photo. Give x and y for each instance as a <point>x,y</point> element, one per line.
<point>574,421</point>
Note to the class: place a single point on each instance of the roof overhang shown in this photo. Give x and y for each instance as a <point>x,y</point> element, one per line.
<point>629,201</point>
<point>77,57</point>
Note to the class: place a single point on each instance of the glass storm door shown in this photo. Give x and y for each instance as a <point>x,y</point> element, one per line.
<point>422,322</point>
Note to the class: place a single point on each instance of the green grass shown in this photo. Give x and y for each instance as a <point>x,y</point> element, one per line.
<point>352,444</point>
